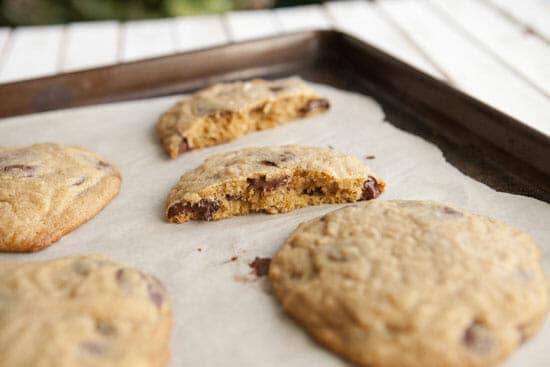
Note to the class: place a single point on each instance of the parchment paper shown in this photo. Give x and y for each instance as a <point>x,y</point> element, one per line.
<point>223,315</point>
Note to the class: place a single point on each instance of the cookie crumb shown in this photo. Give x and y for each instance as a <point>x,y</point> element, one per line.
<point>529,30</point>
<point>260,266</point>
<point>370,156</point>
<point>231,260</point>
<point>199,249</point>
<point>244,278</point>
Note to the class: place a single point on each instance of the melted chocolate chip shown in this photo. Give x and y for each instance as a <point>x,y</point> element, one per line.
<point>121,278</point>
<point>233,197</point>
<point>371,189</point>
<point>313,191</point>
<point>370,157</point>
<point>104,328</point>
<point>259,109</point>
<point>79,181</point>
<point>233,258</point>
<point>102,164</point>
<point>523,334</point>
<point>156,291</point>
<point>263,185</point>
<point>184,145</point>
<point>19,169</point>
<point>451,211</point>
<point>119,275</point>
<point>315,104</point>
<point>82,267</point>
<point>269,163</point>
<point>478,338</point>
<point>204,209</point>
<point>276,89</point>
<point>260,266</point>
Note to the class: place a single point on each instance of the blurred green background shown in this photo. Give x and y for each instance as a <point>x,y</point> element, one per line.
<point>33,12</point>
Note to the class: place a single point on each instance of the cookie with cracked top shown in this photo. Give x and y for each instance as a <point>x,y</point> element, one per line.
<point>226,111</point>
<point>47,190</point>
<point>412,284</point>
<point>272,180</point>
<point>82,311</point>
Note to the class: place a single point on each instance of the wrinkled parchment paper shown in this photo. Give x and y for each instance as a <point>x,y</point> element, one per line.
<point>224,316</point>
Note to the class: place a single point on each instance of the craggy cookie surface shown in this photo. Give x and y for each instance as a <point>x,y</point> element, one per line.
<point>226,111</point>
<point>82,311</point>
<point>271,180</point>
<point>47,190</point>
<point>412,284</point>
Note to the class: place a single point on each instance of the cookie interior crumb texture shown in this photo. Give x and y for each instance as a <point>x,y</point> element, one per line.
<point>47,190</point>
<point>412,284</point>
<point>82,311</point>
<point>270,180</point>
<point>226,111</point>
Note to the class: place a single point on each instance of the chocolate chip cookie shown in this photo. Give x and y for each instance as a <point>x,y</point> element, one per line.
<point>226,111</point>
<point>82,311</point>
<point>47,190</point>
<point>412,284</point>
<point>272,180</point>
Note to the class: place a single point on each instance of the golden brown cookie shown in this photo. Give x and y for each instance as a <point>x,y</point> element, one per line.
<point>47,190</point>
<point>272,180</point>
<point>81,312</point>
<point>226,111</point>
<point>412,284</point>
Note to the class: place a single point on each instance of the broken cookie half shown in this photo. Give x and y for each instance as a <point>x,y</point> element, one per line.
<point>270,180</point>
<point>226,111</point>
